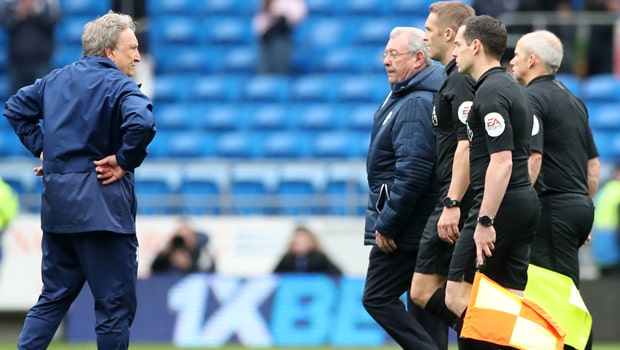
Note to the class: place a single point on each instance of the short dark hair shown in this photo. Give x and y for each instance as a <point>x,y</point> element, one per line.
<point>489,31</point>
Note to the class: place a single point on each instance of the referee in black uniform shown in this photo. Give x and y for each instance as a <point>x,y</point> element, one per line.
<point>450,108</point>
<point>565,181</point>
<point>503,218</point>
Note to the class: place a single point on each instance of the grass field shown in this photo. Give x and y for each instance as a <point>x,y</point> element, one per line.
<point>90,346</point>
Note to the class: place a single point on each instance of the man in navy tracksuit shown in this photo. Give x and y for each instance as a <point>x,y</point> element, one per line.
<point>96,125</point>
<point>403,189</point>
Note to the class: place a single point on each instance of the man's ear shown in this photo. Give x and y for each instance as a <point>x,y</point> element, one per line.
<point>449,35</point>
<point>477,46</point>
<point>109,52</point>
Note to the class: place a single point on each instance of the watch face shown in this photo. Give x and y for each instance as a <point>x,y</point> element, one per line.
<point>485,220</point>
<point>449,202</point>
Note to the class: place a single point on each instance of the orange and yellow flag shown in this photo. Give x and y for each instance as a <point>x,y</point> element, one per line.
<point>496,315</point>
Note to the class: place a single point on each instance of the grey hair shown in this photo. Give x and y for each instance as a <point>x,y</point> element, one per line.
<point>416,41</point>
<point>546,46</point>
<point>103,33</point>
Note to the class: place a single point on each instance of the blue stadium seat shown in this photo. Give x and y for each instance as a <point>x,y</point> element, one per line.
<point>605,144</point>
<point>230,7</point>
<point>286,145</point>
<point>11,146</point>
<point>604,116</point>
<point>334,144</point>
<point>374,8</point>
<point>175,117</point>
<point>66,54</point>
<point>183,59</point>
<point>217,88</point>
<point>192,144</point>
<point>361,117</point>
<point>69,30</point>
<point>89,8</point>
<point>269,117</point>
<point>315,88</point>
<point>228,30</point>
<point>175,30</point>
<point>156,185</point>
<point>158,8</point>
<point>374,31</point>
<point>250,185</point>
<point>220,117</point>
<point>363,89</point>
<point>237,145</point>
<point>201,188</point>
<point>159,148</point>
<point>172,88</point>
<point>346,189</point>
<point>298,189</point>
<point>324,33</point>
<point>267,88</point>
<point>241,60</point>
<point>408,7</point>
<point>601,88</point>
<point>324,7</point>
<point>320,117</point>
<point>18,175</point>
<point>354,60</point>
<point>5,89</point>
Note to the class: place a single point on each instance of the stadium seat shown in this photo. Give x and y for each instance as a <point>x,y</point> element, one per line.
<point>201,187</point>
<point>604,116</point>
<point>324,33</point>
<point>69,30</point>
<point>241,60</point>
<point>335,144</point>
<point>267,88</point>
<point>66,54</point>
<point>315,88</point>
<point>346,189</point>
<point>172,116</point>
<point>192,144</point>
<point>324,7</point>
<point>361,117</point>
<point>363,89</point>
<point>286,145</point>
<point>298,189</point>
<point>237,145</point>
<point>11,146</point>
<point>159,148</point>
<point>269,117</point>
<point>228,30</point>
<point>230,7</point>
<point>183,59</point>
<point>601,88</point>
<point>88,8</point>
<point>373,8</point>
<point>354,60</point>
<point>216,88</point>
<point>374,31</point>
<point>408,7</point>
<point>605,144</point>
<point>175,30</point>
<point>251,188</point>
<point>220,117</point>
<point>319,117</point>
<point>172,88</point>
<point>156,185</point>
<point>159,8</point>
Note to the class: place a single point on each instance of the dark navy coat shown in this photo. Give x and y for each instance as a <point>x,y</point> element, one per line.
<point>401,159</point>
<point>75,115</point>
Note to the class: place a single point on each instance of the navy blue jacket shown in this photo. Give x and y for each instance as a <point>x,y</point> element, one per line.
<point>89,110</point>
<point>401,158</point>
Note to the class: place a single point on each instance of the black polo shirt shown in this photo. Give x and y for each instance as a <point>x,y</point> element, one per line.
<point>451,106</point>
<point>500,120</point>
<point>563,134</point>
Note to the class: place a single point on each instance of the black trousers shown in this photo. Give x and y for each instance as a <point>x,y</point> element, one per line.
<point>387,279</point>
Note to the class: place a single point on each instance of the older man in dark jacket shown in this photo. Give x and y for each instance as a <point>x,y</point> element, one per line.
<point>403,189</point>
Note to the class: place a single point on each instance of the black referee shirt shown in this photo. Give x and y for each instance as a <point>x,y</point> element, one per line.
<point>500,120</point>
<point>451,106</point>
<point>562,134</point>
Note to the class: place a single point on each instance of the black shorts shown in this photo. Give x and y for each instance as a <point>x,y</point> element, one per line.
<point>566,220</point>
<point>434,255</point>
<point>515,225</point>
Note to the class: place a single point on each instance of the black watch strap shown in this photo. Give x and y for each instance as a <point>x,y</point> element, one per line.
<point>449,202</point>
<point>485,220</point>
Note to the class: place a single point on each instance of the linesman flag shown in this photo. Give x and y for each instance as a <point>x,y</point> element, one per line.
<point>558,295</point>
<point>496,315</point>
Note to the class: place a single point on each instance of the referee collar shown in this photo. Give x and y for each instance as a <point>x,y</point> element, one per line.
<point>493,70</point>
<point>540,78</point>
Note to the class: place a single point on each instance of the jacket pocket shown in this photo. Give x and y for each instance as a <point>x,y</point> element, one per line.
<point>384,195</point>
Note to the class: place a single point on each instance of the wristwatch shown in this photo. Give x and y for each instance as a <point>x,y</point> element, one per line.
<point>449,202</point>
<point>485,220</point>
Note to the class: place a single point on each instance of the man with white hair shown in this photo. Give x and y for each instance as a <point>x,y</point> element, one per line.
<point>565,181</point>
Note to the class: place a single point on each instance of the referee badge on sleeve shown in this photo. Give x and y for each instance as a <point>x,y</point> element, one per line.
<point>494,124</point>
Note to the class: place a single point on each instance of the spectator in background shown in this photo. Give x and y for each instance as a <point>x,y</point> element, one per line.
<point>9,206</point>
<point>304,255</point>
<point>274,26</point>
<point>187,251</point>
<point>30,25</point>
<point>600,43</point>
<point>606,230</point>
